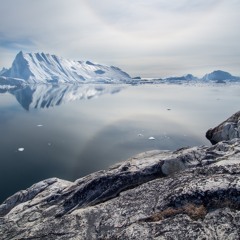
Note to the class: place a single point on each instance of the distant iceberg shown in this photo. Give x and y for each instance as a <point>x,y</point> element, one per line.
<point>219,75</point>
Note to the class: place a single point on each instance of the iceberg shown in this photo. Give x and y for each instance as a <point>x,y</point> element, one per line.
<point>46,68</point>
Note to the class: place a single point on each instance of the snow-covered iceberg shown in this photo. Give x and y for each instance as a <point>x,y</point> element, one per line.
<point>47,68</point>
<point>220,75</point>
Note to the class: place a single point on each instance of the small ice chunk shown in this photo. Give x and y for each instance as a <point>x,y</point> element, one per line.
<point>20,149</point>
<point>39,125</point>
<point>140,135</point>
<point>151,138</point>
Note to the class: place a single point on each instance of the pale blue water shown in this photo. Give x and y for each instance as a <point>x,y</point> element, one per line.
<point>100,126</point>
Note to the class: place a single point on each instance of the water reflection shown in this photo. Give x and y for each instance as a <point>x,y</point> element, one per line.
<point>80,137</point>
<point>45,96</point>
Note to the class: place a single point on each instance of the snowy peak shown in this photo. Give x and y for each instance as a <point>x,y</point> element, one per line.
<point>20,68</point>
<point>190,77</point>
<point>47,68</point>
<point>219,75</point>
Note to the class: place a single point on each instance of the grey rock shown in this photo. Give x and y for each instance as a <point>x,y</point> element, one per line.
<point>190,193</point>
<point>227,130</point>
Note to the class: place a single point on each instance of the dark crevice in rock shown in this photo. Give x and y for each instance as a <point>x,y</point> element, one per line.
<point>107,187</point>
<point>210,199</point>
<point>234,170</point>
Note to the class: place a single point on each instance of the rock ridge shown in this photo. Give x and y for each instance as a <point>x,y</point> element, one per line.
<point>190,193</point>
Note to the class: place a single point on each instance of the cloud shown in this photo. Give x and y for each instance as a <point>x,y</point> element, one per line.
<point>15,43</point>
<point>142,37</point>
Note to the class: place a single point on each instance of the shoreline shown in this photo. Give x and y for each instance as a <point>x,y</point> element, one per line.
<point>194,188</point>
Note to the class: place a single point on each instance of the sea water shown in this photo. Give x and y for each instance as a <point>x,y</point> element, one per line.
<point>69,131</point>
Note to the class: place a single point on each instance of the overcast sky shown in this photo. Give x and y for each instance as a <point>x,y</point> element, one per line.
<point>150,38</point>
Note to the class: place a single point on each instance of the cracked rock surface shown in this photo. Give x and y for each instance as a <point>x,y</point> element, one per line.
<point>190,193</point>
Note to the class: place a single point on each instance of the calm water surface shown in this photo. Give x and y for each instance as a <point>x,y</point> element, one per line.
<point>70,131</point>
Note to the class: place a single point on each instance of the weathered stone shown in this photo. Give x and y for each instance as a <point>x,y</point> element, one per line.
<point>191,193</point>
<point>227,130</point>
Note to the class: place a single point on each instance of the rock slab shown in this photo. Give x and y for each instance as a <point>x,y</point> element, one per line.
<point>190,193</point>
<point>227,130</point>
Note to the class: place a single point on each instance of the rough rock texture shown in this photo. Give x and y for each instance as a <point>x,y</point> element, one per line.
<point>227,130</point>
<point>191,193</point>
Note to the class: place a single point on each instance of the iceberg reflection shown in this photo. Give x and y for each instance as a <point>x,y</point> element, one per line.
<point>45,96</point>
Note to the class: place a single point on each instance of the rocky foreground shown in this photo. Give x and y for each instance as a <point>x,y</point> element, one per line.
<point>190,193</point>
<point>227,130</point>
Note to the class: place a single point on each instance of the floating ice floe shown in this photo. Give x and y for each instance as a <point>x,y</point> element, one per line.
<point>39,125</point>
<point>20,149</point>
<point>151,138</point>
<point>140,135</point>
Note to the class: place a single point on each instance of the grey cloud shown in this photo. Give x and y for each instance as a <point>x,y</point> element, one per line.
<point>15,43</point>
<point>142,37</point>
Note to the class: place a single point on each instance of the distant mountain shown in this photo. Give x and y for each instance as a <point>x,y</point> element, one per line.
<point>46,68</point>
<point>220,76</point>
<point>188,77</point>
